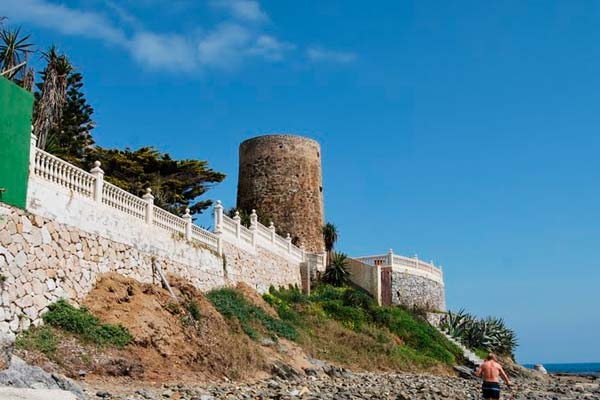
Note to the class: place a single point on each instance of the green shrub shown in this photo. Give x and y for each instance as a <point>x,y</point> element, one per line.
<point>290,295</point>
<point>79,321</point>
<point>192,307</point>
<point>352,317</point>
<point>232,305</point>
<point>41,339</point>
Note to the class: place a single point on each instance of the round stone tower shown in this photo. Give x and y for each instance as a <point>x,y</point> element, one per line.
<point>280,177</point>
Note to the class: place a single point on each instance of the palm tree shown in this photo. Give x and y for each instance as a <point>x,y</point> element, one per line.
<point>49,107</point>
<point>330,236</point>
<point>14,51</point>
<point>337,272</point>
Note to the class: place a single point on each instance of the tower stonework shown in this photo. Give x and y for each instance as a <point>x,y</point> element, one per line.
<point>280,176</point>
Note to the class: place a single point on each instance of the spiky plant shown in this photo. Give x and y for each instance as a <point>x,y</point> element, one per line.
<point>14,51</point>
<point>490,334</point>
<point>49,107</point>
<point>337,272</point>
<point>456,323</point>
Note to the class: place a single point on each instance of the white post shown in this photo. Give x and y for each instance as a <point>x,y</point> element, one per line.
<point>253,226</point>
<point>149,205</point>
<point>188,225</point>
<point>272,228</point>
<point>288,239</point>
<point>32,153</point>
<point>98,181</point>
<point>238,224</point>
<point>376,281</point>
<point>303,252</point>
<point>391,257</point>
<point>218,211</point>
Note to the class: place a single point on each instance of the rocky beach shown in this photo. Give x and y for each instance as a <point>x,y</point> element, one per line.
<point>347,385</point>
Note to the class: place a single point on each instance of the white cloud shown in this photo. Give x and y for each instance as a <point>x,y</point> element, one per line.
<point>63,19</point>
<point>318,54</point>
<point>226,46</point>
<point>270,48</point>
<point>163,51</point>
<point>248,10</point>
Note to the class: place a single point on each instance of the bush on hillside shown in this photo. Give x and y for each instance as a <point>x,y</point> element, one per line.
<point>79,321</point>
<point>234,306</point>
<point>356,310</point>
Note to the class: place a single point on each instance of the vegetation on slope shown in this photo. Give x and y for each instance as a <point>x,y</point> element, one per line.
<point>78,321</point>
<point>342,325</point>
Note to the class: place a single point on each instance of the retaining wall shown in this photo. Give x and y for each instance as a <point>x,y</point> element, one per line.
<point>412,290</point>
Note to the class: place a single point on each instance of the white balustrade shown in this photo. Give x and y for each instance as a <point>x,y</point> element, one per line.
<point>55,170</point>
<point>204,236</point>
<point>123,201</point>
<point>169,222</point>
<point>409,263</point>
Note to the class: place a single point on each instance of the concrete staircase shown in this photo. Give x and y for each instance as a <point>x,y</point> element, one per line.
<point>468,354</point>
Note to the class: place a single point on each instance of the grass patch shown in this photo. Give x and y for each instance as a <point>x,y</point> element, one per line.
<point>252,319</point>
<point>369,335</point>
<point>82,323</point>
<point>42,339</point>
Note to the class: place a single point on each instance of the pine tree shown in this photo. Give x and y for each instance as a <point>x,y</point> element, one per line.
<point>71,136</point>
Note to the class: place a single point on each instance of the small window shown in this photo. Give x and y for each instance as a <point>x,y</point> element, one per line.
<point>318,154</point>
<point>280,146</point>
<point>321,189</point>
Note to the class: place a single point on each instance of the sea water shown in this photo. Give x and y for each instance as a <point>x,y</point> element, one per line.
<point>574,368</point>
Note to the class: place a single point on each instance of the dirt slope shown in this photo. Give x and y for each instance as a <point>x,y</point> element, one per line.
<point>168,341</point>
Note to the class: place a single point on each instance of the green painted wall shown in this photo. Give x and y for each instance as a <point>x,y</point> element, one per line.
<point>16,106</point>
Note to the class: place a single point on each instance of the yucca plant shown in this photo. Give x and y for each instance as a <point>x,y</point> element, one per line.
<point>14,51</point>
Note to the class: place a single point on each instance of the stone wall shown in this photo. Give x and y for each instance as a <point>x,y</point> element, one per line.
<point>417,291</point>
<point>281,176</point>
<point>42,260</point>
<point>261,270</point>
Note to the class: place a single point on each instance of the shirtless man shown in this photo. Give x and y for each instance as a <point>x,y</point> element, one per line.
<point>490,371</point>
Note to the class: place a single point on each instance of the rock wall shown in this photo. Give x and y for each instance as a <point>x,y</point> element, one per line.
<point>42,260</point>
<point>417,291</point>
<point>261,270</point>
<point>280,175</point>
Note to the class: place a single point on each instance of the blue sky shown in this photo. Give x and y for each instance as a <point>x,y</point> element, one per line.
<point>465,132</point>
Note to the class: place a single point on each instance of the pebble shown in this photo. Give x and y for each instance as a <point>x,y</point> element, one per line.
<point>347,385</point>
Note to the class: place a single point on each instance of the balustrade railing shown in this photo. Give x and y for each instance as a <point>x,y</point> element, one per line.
<point>266,237</point>
<point>392,260</point>
<point>169,222</point>
<point>92,185</point>
<point>62,173</point>
<point>123,201</point>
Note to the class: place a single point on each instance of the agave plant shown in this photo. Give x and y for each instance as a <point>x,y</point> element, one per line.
<point>490,334</point>
<point>337,272</point>
<point>456,323</point>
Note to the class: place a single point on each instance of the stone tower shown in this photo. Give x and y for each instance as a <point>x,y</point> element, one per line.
<point>280,176</point>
